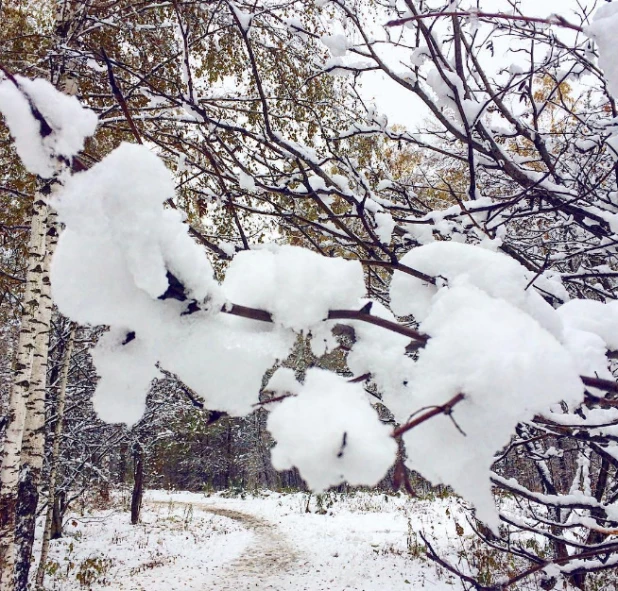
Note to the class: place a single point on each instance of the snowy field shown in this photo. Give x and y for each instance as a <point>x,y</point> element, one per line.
<point>191,541</point>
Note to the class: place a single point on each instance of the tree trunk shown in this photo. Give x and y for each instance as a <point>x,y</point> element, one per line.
<point>55,456</point>
<point>122,462</point>
<point>33,448</point>
<point>138,482</point>
<point>11,454</point>
<point>57,515</point>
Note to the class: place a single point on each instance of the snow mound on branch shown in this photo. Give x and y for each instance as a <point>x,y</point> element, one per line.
<point>594,317</point>
<point>381,353</point>
<point>331,434</point>
<point>493,340</point>
<point>222,358</point>
<point>113,264</point>
<point>591,329</point>
<point>112,260</point>
<point>384,226</point>
<point>337,44</point>
<point>508,367</point>
<point>495,273</point>
<point>126,371</point>
<point>70,123</point>
<point>283,381</point>
<point>603,30</point>
<point>296,285</point>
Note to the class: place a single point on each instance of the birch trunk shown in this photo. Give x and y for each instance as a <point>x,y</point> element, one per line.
<point>53,471</point>
<point>11,453</point>
<point>33,447</point>
<point>22,454</point>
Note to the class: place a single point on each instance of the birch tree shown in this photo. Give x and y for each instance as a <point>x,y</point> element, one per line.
<point>30,327</point>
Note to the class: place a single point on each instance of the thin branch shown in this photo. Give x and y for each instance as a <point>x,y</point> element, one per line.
<point>552,20</point>
<point>445,409</point>
<point>119,97</point>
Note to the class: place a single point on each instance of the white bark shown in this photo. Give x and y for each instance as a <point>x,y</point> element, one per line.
<point>33,444</point>
<point>11,453</point>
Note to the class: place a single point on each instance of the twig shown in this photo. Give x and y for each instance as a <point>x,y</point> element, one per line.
<point>553,20</point>
<point>443,409</point>
<point>45,128</point>
<point>119,97</point>
<point>11,277</point>
<point>275,399</point>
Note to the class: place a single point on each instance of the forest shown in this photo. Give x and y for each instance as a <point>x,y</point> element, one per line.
<point>225,269</point>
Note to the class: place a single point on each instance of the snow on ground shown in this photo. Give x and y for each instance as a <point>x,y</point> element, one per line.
<point>363,542</point>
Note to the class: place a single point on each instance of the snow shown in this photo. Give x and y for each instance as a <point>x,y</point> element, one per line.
<point>246,181</point>
<point>164,552</point>
<point>493,340</point>
<point>391,369</point>
<point>283,382</point>
<point>70,123</point>
<point>222,358</point>
<point>497,274</point>
<point>245,19</point>
<point>337,44</point>
<point>603,31</point>
<point>593,317</point>
<point>296,285</point>
<point>508,371</point>
<point>331,434</point>
<point>384,226</point>
<point>190,541</point>
<point>591,329</point>
<point>126,373</point>
<point>129,243</point>
<point>111,267</point>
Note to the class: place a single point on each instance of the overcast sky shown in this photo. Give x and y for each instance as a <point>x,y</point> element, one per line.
<point>401,108</point>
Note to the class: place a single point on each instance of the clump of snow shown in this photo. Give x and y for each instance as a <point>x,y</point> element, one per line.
<point>603,30</point>
<point>495,273</point>
<point>384,184</point>
<point>114,263</point>
<point>283,381</point>
<point>508,367</point>
<point>296,285</point>
<point>421,233</point>
<point>119,244</point>
<point>594,317</point>
<point>246,181</point>
<point>337,44</point>
<point>331,434</point>
<point>494,340</point>
<point>245,19</point>
<point>221,358</point>
<point>70,123</point>
<point>384,226</point>
<point>391,369</point>
<point>126,374</point>
<point>591,329</point>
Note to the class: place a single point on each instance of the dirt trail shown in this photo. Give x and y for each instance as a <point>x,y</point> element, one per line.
<point>264,560</point>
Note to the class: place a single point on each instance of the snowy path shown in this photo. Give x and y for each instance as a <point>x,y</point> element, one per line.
<point>191,542</point>
<point>268,556</point>
<point>359,546</point>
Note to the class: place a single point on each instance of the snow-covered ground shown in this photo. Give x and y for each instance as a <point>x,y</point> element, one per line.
<point>192,541</point>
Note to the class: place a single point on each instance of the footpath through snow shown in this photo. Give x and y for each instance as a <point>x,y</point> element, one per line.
<point>268,556</point>
<point>188,541</point>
